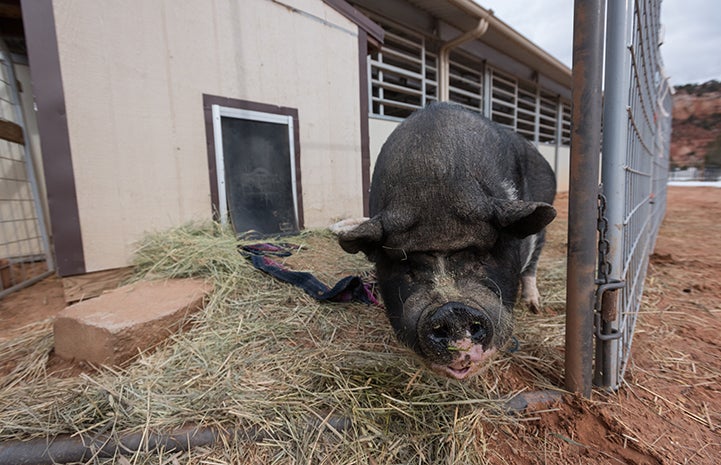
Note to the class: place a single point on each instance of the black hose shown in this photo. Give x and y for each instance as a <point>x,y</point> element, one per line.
<point>66,448</point>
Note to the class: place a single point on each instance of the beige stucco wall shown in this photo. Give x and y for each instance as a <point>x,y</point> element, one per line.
<point>134,73</point>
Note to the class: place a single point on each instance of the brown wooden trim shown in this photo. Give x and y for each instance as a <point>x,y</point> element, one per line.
<point>208,102</point>
<point>374,32</point>
<point>11,132</point>
<point>42,45</point>
<point>10,11</point>
<point>365,137</point>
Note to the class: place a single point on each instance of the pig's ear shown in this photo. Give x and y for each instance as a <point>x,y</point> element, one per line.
<point>359,234</point>
<point>521,218</point>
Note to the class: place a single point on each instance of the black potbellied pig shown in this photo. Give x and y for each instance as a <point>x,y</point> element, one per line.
<point>458,209</point>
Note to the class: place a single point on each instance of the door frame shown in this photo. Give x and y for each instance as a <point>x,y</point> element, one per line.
<point>248,115</point>
<point>269,111</point>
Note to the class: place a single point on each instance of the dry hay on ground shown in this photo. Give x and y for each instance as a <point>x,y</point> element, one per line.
<point>265,357</point>
<point>667,411</point>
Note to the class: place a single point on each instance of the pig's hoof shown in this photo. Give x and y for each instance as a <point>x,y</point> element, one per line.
<point>530,296</point>
<point>533,305</point>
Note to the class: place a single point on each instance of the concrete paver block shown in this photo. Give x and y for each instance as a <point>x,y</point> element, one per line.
<point>115,326</point>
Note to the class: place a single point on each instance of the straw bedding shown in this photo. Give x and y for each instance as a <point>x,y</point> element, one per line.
<point>314,382</point>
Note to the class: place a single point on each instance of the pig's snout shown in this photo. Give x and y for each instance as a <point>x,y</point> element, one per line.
<point>456,339</point>
<point>451,323</point>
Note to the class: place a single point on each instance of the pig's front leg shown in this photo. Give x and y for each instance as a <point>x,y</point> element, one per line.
<point>530,296</point>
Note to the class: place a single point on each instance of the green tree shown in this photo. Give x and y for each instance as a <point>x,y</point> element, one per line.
<point>700,89</point>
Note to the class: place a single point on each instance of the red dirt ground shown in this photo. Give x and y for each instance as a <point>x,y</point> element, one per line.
<point>669,410</point>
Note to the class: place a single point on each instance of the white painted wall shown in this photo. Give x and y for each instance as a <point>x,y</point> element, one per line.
<point>134,73</point>
<point>378,131</point>
<point>563,165</point>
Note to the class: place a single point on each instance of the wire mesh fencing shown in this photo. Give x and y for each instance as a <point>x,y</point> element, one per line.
<point>634,173</point>
<point>24,246</point>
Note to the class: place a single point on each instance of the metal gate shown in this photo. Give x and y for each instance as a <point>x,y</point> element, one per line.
<point>25,256</point>
<point>635,150</point>
<point>607,269</point>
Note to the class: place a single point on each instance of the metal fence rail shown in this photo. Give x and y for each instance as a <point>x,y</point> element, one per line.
<point>636,138</point>
<point>24,247</point>
<point>706,174</point>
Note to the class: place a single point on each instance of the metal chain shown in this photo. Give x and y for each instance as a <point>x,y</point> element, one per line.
<point>604,282</point>
<point>604,265</point>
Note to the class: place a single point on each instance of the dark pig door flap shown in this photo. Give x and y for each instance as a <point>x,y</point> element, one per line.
<point>256,170</point>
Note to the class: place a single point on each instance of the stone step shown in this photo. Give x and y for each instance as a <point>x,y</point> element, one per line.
<point>116,326</point>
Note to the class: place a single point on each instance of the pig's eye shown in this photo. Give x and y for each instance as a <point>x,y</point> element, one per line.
<point>421,259</point>
<point>460,255</point>
<point>468,255</point>
<point>394,254</point>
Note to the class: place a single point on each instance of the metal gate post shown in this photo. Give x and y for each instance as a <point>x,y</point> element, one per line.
<point>615,150</point>
<point>583,192</point>
<point>38,217</point>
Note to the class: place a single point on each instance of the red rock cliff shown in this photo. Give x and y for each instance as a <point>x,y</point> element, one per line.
<point>696,122</point>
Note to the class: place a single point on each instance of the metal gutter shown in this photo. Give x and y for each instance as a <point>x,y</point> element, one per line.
<point>445,53</point>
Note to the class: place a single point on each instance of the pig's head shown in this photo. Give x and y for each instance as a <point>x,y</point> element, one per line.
<point>449,279</point>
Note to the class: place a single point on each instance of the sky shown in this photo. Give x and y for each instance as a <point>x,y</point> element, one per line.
<point>691,49</point>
